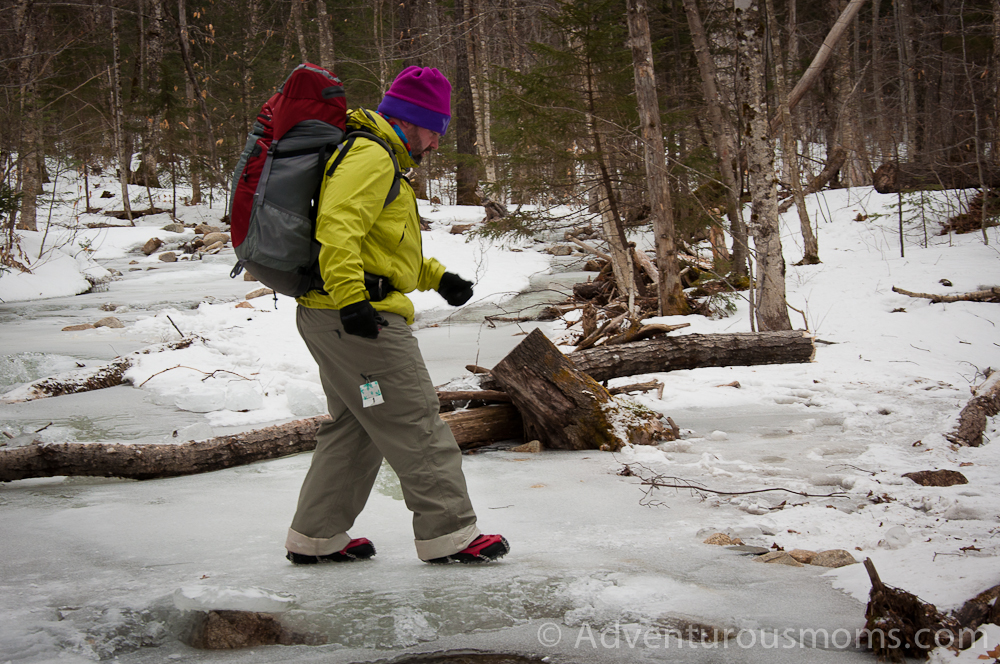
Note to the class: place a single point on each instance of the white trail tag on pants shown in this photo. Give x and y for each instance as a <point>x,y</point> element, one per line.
<point>371,394</point>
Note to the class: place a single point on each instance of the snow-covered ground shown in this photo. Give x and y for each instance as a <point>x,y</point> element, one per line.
<point>95,568</point>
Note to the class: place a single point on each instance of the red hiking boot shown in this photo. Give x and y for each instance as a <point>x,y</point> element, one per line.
<point>483,549</point>
<point>356,549</point>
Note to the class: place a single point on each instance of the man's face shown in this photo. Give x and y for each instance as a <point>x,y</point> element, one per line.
<point>421,140</point>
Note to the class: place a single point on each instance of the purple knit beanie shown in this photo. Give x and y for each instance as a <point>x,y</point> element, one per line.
<point>421,95</point>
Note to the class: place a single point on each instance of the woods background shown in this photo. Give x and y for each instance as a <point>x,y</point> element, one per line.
<point>545,104</point>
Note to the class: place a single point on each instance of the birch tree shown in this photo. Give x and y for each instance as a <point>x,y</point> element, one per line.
<point>475,42</point>
<point>771,311</point>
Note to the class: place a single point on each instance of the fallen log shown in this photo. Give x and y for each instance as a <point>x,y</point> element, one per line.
<point>121,214</point>
<point>566,409</point>
<point>481,426</point>
<point>648,386</point>
<point>589,249</point>
<point>146,462</point>
<point>693,351</point>
<point>893,177</point>
<point>472,429</point>
<point>988,295</point>
<point>985,403</point>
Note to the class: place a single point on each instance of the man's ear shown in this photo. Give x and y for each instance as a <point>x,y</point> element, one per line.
<point>404,125</point>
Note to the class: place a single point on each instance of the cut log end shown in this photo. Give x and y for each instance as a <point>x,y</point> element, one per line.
<point>565,408</point>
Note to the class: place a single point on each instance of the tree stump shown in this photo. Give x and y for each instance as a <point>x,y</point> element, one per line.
<point>565,408</point>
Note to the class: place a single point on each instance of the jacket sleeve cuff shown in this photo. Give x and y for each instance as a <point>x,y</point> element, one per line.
<point>430,275</point>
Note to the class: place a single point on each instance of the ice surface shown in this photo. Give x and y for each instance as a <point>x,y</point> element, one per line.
<point>216,598</point>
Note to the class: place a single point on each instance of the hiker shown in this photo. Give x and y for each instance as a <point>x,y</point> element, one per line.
<point>379,393</point>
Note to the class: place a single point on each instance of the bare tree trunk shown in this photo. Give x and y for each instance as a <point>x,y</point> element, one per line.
<point>614,230</point>
<point>326,54</point>
<point>822,55</point>
<point>300,35</point>
<point>908,67</point>
<point>981,167</point>
<point>884,138</point>
<point>466,125</point>
<point>995,73</point>
<point>147,174</point>
<point>27,158</point>
<point>196,86</point>
<point>118,112</point>
<point>792,63</point>
<point>252,28</point>
<point>671,294</point>
<point>194,160</point>
<point>722,136</point>
<point>789,146</point>
<point>381,47</point>
<point>771,311</point>
<point>846,133</point>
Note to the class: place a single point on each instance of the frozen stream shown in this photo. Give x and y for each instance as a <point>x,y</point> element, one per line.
<point>85,577</point>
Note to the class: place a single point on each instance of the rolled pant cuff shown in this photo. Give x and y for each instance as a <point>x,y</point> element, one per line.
<point>316,546</point>
<point>439,547</point>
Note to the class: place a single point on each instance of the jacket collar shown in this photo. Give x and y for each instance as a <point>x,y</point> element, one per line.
<point>378,125</point>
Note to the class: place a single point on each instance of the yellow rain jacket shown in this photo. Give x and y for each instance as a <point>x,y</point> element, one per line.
<point>358,235</point>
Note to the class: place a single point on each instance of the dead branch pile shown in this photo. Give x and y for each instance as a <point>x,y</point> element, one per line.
<point>971,220</point>
<point>898,623</point>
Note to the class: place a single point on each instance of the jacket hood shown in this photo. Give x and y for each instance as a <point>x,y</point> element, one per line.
<point>379,126</point>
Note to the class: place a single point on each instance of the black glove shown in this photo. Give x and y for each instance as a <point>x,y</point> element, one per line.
<point>362,320</point>
<point>454,289</point>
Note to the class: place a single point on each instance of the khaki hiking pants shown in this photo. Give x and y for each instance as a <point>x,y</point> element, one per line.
<point>405,429</point>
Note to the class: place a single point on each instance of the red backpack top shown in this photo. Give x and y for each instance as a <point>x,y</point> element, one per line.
<point>277,178</point>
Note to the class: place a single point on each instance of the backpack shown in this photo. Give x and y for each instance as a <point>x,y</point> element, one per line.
<point>276,183</point>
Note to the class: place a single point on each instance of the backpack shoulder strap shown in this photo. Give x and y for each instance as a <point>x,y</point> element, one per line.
<point>346,146</point>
